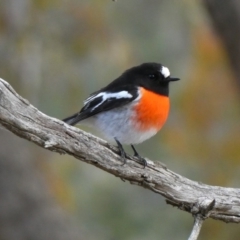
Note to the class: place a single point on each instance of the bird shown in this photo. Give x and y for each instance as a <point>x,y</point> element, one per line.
<point>130,109</point>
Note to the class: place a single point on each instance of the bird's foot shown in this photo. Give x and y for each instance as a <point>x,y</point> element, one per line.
<point>122,152</point>
<point>142,160</point>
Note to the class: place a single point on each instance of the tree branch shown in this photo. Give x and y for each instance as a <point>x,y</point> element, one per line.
<point>198,221</point>
<point>201,211</point>
<point>21,118</point>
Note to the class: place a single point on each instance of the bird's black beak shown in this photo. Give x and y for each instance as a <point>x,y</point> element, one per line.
<point>172,79</point>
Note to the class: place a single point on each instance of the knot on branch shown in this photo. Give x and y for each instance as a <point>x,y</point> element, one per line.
<point>202,208</point>
<point>50,143</point>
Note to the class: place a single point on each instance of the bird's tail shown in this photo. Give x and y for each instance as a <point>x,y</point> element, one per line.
<point>73,120</point>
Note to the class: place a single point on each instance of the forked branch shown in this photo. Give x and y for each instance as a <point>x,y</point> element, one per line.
<point>21,118</point>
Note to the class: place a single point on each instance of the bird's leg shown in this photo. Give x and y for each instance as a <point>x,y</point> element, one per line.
<point>122,152</point>
<point>141,159</point>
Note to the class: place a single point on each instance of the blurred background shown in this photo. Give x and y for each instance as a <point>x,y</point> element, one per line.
<point>55,53</point>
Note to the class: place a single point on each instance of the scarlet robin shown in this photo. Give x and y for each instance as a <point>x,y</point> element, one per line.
<point>130,109</point>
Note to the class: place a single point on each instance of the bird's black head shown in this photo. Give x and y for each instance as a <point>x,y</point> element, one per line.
<point>152,76</point>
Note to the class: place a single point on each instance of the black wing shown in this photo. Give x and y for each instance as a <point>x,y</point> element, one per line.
<point>104,100</point>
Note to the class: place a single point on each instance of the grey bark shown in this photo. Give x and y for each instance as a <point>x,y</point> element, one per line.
<point>20,117</point>
<point>198,221</point>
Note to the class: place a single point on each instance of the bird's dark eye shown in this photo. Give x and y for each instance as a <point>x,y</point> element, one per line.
<point>152,76</point>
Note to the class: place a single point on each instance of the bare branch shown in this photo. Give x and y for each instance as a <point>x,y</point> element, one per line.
<point>21,118</point>
<point>201,211</point>
<point>198,221</point>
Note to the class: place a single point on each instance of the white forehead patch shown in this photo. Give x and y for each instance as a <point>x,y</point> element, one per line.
<point>165,72</point>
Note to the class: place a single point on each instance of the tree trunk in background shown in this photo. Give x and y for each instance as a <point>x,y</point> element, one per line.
<point>225,16</point>
<point>27,209</point>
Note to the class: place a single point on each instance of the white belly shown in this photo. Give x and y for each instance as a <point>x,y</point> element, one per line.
<point>116,124</point>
